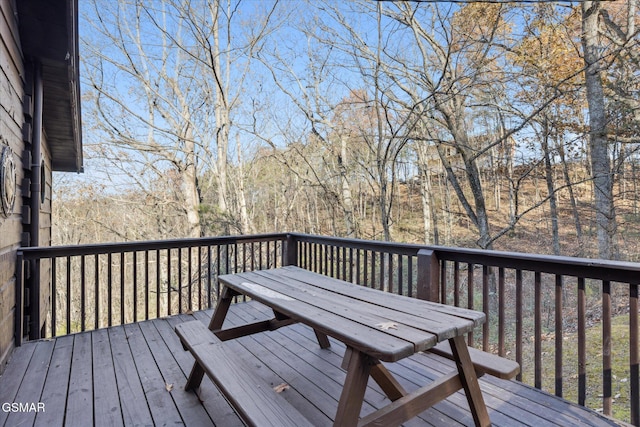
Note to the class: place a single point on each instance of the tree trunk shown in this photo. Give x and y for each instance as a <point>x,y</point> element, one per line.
<point>245,225</point>
<point>347,199</point>
<point>600,162</point>
<point>548,172</point>
<point>426,196</point>
<point>572,199</point>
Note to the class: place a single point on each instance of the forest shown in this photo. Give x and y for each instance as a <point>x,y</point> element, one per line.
<point>496,125</point>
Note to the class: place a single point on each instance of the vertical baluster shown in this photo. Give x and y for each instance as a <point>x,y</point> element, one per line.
<point>350,266</point>
<point>122,290</point>
<point>200,273</point>
<point>96,282</point>
<point>582,342</point>
<point>179,286</point>
<point>501,315</point>
<point>83,294</point>
<point>243,257</point>
<point>208,281</point>
<point>456,284</point>
<point>235,258</point>
<point>158,281</point>
<point>276,259</point>
<point>443,282</point>
<point>336,261</point>
<point>68,294</point>
<point>268,255</point>
<point>400,274</point>
<point>365,263</point>
<point>381,272</point>
<point>373,270</point>
<point>135,286</point>
<point>519,321</point>
<point>470,296</point>
<point>344,264</point>
<point>169,282</point>
<point>218,264</point>
<point>146,285</point>
<point>558,332</point>
<point>410,276</point>
<point>633,354</point>
<point>325,265</point>
<point>54,288</point>
<point>538,330</point>
<point>358,266</point>
<point>485,307</point>
<point>189,278</point>
<point>109,289</point>
<point>606,347</point>
<point>390,287</point>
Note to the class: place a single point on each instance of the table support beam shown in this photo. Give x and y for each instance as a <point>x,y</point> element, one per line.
<point>413,403</point>
<point>387,382</point>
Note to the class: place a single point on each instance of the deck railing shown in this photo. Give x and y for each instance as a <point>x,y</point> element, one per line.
<point>557,316</point>
<point>95,286</point>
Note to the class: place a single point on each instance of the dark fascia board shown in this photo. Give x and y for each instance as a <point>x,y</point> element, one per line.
<point>49,36</point>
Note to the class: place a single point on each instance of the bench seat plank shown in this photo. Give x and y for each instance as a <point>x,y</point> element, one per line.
<point>253,399</point>
<point>483,362</point>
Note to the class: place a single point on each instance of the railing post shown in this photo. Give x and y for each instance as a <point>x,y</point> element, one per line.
<point>428,275</point>
<point>290,251</point>
<point>34,300</point>
<point>19,313</point>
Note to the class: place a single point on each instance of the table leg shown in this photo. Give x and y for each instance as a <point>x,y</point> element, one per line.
<point>358,366</point>
<point>323,340</point>
<point>469,381</point>
<point>222,308</point>
<point>217,319</point>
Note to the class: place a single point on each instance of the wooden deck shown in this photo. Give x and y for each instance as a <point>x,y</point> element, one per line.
<point>135,374</point>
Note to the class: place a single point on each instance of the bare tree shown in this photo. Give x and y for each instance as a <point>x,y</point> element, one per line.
<point>598,145</point>
<point>165,81</point>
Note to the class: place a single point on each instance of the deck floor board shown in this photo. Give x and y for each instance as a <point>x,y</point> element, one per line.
<point>135,375</point>
<point>56,385</point>
<point>107,410</point>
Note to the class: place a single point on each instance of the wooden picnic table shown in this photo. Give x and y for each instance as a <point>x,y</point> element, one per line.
<point>375,327</point>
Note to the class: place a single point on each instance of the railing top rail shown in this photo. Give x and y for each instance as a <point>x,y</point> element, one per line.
<point>599,269</point>
<point>117,247</point>
<point>615,271</point>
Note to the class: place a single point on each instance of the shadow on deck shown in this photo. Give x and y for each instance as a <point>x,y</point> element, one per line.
<point>135,374</point>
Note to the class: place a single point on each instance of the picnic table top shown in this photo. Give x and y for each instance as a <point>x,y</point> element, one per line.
<point>386,326</point>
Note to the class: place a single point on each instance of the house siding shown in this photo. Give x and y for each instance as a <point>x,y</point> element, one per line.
<point>11,125</point>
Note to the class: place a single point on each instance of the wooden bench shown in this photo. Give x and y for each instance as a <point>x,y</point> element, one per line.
<point>483,362</point>
<point>253,399</point>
